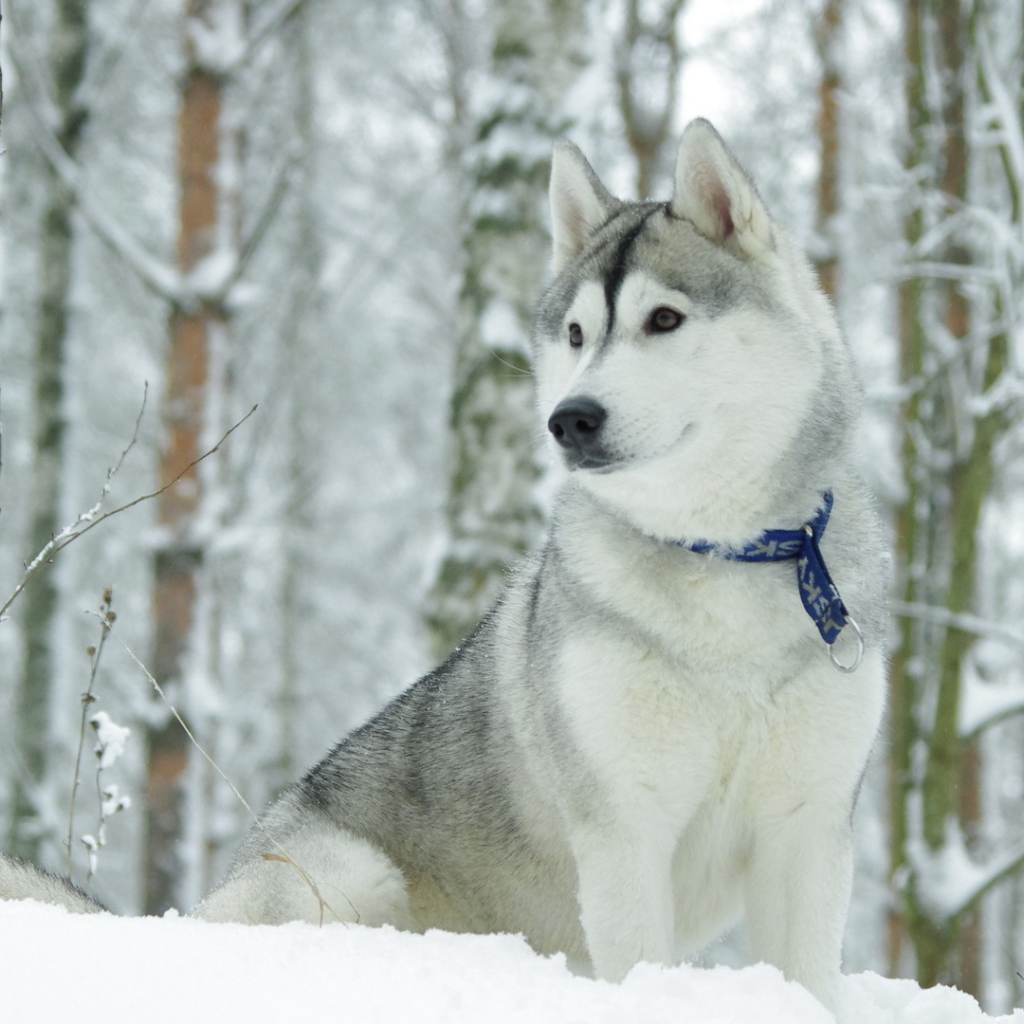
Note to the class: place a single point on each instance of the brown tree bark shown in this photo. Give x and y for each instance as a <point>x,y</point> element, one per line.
<point>179,560</point>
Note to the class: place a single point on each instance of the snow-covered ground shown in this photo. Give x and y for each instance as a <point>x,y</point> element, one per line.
<point>55,966</point>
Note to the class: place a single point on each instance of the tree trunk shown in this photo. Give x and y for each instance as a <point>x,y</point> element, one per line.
<point>949,468</point>
<point>909,535</point>
<point>648,62</point>
<point>492,515</point>
<point>828,36</point>
<point>39,604</point>
<point>178,562</point>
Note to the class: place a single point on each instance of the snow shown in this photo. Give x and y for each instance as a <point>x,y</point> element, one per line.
<point>500,327</point>
<point>982,702</point>
<point>108,969</point>
<point>110,738</point>
<point>947,878</point>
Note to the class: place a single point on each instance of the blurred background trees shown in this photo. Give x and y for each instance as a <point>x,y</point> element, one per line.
<point>336,211</point>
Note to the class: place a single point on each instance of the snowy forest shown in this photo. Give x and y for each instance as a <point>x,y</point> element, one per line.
<point>268,448</point>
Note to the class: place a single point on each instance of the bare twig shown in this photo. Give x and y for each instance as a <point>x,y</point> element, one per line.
<point>282,854</point>
<point>116,468</point>
<point>88,520</point>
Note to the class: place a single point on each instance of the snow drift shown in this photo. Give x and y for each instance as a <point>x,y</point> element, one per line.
<point>99,968</point>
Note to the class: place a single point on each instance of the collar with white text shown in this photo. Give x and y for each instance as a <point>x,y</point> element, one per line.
<point>819,594</point>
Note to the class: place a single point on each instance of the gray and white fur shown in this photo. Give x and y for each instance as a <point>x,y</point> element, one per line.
<point>639,743</point>
<point>22,881</point>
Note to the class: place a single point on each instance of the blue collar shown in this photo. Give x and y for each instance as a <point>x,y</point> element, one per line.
<point>817,591</point>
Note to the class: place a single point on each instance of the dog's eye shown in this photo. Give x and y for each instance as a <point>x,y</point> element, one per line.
<point>664,319</point>
<point>575,335</point>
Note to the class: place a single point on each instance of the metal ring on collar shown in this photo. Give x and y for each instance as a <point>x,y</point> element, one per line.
<point>855,664</point>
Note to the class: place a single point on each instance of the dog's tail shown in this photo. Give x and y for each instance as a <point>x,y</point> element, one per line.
<point>21,881</point>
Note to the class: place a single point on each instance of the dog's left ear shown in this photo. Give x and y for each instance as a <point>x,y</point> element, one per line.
<point>714,193</point>
<point>580,204</point>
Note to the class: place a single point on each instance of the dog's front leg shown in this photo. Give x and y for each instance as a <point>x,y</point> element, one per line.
<point>625,897</point>
<point>797,895</point>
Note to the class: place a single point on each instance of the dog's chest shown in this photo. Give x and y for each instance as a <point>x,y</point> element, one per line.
<point>684,673</point>
<point>711,618</point>
<point>650,731</point>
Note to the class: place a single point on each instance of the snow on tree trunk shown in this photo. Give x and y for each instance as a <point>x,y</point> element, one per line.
<point>67,61</point>
<point>954,359</point>
<point>491,511</point>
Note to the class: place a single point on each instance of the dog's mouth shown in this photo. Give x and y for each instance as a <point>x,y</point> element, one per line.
<point>602,460</point>
<point>595,462</point>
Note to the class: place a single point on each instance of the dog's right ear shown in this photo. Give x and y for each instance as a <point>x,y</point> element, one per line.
<point>580,204</point>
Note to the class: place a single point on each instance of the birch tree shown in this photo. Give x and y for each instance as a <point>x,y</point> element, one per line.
<point>491,511</point>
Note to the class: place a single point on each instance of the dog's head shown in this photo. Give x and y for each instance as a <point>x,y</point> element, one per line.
<point>689,370</point>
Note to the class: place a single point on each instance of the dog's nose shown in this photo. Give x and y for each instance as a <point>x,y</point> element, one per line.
<point>575,423</point>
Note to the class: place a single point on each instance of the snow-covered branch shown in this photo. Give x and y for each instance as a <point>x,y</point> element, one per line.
<point>949,881</point>
<point>157,275</point>
<point>277,17</point>
<point>1009,387</point>
<point>211,280</point>
<point>218,43</point>
<point>251,244</point>
<point>983,705</point>
<point>951,272</point>
<point>1007,112</point>
<point>959,620</point>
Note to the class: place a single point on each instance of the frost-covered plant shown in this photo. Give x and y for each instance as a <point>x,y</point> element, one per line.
<point>110,745</point>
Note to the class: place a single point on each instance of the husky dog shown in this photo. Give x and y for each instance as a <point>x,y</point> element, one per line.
<point>648,735</point>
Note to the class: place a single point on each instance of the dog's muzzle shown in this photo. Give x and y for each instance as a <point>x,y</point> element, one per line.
<point>576,425</point>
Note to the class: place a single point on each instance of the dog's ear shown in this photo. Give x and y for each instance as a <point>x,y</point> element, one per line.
<point>580,204</point>
<point>714,193</point>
